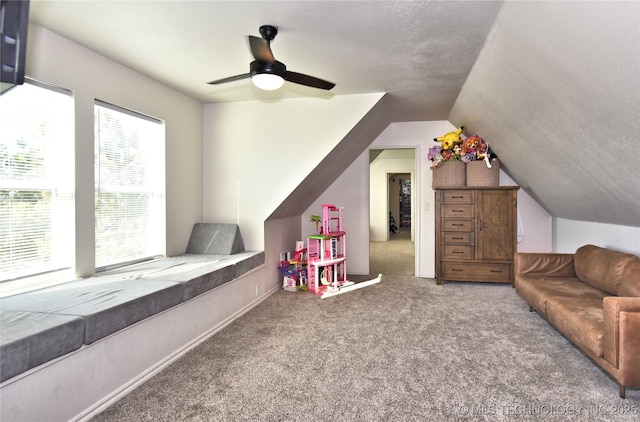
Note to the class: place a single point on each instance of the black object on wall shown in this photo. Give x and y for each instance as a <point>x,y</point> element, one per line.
<point>14,23</point>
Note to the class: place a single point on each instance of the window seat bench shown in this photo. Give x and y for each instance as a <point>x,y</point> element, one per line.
<point>41,325</point>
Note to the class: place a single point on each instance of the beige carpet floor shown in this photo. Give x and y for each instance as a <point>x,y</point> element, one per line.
<point>395,256</point>
<point>404,349</point>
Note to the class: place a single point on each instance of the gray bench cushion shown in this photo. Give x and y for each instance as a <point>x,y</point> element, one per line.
<point>246,261</point>
<point>106,305</point>
<point>197,273</point>
<point>28,339</point>
<point>41,325</point>
<point>215,238</point>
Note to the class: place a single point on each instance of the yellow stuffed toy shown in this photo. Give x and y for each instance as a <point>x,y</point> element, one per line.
<point>450,139</point>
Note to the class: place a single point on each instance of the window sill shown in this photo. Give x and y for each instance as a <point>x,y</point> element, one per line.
<point>36,282</point>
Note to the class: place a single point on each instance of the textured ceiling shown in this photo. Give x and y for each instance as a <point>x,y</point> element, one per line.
<point>552,86</point>
<point>418,52</point>
<point>556,93</point>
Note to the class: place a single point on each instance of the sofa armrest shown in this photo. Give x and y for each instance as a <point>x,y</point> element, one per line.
<point>621,341</point>
<point>545,264</point>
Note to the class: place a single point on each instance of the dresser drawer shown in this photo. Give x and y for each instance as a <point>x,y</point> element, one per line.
<point>454,225</point>
<point>458,211</point>
<point>458,197</point>
<point>457,238</point>
<point>476,272</point>
<point>457,252</point>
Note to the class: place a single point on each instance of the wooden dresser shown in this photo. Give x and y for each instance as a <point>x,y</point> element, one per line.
<point>476,233</point>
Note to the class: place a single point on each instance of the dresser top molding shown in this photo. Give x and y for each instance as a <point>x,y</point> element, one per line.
<point>477,188</point>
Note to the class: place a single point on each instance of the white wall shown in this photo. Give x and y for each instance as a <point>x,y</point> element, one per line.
<point>56,60</point>
<point>418,135</point>
<point>544,233</point>
<point>389,161</point>
<point>355,180</point>
<point>78,384</point>
<point>569,235</point>
<point>349,191</point>
<point>256,153</point>
<point>536,222</point>
<point>414,135</point>
<point>282,234</point>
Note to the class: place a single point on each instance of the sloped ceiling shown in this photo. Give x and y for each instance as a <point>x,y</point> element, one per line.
<point>552,86</point>
<point>556,94</point>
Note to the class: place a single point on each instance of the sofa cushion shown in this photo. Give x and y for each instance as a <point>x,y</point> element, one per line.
<point>536,289</point>
<point>28,339</point>
<point>630,285</point>
<point>580,319</point>
<point>602,268</point>
<point>549,264</point>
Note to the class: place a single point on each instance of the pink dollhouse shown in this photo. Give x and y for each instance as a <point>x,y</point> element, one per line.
<point>326,260</point>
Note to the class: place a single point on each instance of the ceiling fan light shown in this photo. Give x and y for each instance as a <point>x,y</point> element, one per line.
<point>267,81</point>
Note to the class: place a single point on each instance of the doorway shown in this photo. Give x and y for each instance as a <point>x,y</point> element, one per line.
<point>399,188</point>
<point>391,246</point>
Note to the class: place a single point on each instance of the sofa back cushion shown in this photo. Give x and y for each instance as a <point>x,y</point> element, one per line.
<point>630,285</point>
<point>604,269</point>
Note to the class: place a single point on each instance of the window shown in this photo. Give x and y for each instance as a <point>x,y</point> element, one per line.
<point>36,181</point>
<point>129,186</point>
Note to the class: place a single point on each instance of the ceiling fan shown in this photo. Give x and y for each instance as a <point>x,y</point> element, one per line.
<point>268,73</point>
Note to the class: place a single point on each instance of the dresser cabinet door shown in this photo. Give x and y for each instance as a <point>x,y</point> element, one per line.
<point>495,225</point>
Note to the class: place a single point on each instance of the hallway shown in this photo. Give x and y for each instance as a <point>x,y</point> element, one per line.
<point>395,256</point>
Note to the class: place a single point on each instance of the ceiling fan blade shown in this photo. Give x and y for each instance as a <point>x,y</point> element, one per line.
<point>229,79</point>
<point>260,49</point>
<point>299,78</point>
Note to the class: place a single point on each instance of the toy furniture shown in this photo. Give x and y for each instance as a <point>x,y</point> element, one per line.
<point>294,271</point>
<point>326,260</point>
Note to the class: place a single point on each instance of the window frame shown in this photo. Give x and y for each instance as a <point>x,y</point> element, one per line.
<point>156,196</point>
<point>61,231</point>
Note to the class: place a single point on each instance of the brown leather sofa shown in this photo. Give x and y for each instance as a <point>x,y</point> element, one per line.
<point>593,298</point>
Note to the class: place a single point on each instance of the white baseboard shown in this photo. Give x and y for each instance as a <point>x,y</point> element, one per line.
<point>143,377</point>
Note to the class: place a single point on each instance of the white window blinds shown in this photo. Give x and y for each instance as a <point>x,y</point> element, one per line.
<point>130,184</point>
<point>36,181</point>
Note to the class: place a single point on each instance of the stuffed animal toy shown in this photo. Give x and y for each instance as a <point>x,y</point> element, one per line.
<point>485,153</point>
<point>471,145</point>
<point>434,155</point>
<point>457,151</point>
<point>450,139</point>
<point>482,150</point>
<point>468,157</point>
